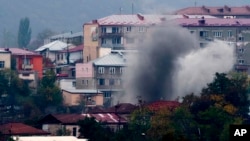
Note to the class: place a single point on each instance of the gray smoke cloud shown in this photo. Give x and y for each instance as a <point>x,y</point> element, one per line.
<point>169,64</point>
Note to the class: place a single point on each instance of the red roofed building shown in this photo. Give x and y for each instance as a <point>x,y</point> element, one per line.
<point>19,129</point>
<point>54,122</point>
<point>218,11</point>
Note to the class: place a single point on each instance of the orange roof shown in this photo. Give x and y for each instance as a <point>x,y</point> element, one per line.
<point>20,129</point>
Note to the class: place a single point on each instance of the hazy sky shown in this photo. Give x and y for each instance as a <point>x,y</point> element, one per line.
<point>70,15</point>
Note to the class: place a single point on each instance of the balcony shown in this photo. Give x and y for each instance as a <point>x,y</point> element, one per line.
<point>27,67</point>
<point>115,34</point>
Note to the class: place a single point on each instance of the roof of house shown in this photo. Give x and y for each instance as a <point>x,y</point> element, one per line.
<point>157,105</point>
<point>222,10</point>
<point>111,59</point>
<point>74,118</point>
<point>212,22</point>
<point>122,108</point>
<point>74,49</point>
<point>67,35</point>
<point>53,46</point>
<point>19,51</point>
<point>20,129</point>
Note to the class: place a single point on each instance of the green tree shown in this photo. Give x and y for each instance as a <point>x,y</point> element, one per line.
<point>93,130</point>
<point>49,94</point>
<point>24,33</point>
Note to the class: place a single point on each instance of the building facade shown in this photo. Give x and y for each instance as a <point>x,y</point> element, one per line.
<point>114,33</point>
<point>5,59</point>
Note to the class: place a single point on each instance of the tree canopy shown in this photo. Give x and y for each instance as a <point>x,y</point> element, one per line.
<point>24,33</point>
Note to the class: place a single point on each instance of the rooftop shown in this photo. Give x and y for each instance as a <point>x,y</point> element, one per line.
<point>20,129</point>
<point>222,10</point>
<point>53,46</point>
<point>213,22</point>
<point>19,51</point>
<point>140,19</point>
<point>111,59</point>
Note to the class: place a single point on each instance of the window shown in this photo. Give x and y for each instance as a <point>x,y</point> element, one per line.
<point>2,64</point>
<point>74,83</point>
<point>121,70</point>
<point>241,50</point>
<point>142,29</point>
<point>26,61</point>
<point>61,56</point>
<point>104,41</point>
<point>111,82</point>
<point>229,34</point>
<point>112,70</point>
<point>103,29</point>
<point>241,61</point>
<point>101,81</point>
<point>115,29</point>
<point>116,40</point>
<point>74,131</point>
<point>101,70</point>
<point>129,29</point>
<point>107,94</point>
<point>58,57</point>
<point>241,38</point>
<point>203,33</point>
<point>217,34</point>
<point>85,82</point>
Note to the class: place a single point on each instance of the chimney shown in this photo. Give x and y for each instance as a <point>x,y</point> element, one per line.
<point>248,8</point>
<point>202,20</point>
<point>227,8</point>
<point>94,21</point>
<point>140,16</point>
<point>7,49</point>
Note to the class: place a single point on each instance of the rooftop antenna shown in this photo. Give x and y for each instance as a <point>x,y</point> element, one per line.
<point>120,10</point>
<point>132,8</point>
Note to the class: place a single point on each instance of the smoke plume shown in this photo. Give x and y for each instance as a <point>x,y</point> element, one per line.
<point>169,64</point>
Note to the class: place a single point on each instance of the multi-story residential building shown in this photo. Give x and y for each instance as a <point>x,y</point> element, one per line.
<point>218,11</point>
<point>112,32</point>
<point>5,59</point>
<point>103,74</point>
<point>235,31</point>
<point>70,37</point>
<point>28,64</point>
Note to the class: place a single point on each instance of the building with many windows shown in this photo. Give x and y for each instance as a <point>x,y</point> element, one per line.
<point>234,31</point>
<point>103,74</point>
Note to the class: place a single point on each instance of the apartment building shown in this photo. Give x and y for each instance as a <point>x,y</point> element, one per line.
<point>103,74</point>
<point>233,31</point>
<point>113,33</point>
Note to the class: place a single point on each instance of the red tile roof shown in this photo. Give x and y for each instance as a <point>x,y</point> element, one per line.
<point>74,118</point>
<point>222,10</point>
<point>20,129</point>
<point>19,51</point>
<point>157,105</point>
